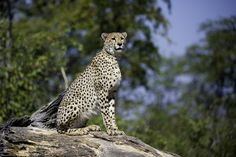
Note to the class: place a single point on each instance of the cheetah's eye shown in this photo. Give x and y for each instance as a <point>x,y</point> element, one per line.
<point>122,38</point>
<point>113,38</point>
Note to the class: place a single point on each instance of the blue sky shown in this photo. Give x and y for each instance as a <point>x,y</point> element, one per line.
<point>185,18</point>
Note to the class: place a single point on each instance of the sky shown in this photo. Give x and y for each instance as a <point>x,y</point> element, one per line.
<point>185,18</point>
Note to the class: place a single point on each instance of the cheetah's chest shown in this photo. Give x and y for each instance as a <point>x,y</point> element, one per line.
<point>115,77</point>
<point>112,76</point>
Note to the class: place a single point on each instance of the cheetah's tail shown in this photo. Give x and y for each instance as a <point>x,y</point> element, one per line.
<point>44,117</point>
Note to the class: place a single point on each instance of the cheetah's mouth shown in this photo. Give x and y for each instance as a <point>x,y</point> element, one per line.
<point>119,49</point>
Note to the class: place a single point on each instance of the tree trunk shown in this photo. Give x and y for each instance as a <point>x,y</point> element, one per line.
<point>32,141</point>
<point>36,136</point>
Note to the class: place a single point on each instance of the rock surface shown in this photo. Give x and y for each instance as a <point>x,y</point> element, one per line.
<point>35,135</point>
<point>32,141</point>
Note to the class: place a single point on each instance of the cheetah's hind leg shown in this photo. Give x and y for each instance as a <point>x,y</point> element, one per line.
<point>83,131</point>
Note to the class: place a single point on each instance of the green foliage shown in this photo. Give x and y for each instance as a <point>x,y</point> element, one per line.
<point>216,92</point>
<point>25,71</point>
<point>201,122</point>
<point>45,35</point>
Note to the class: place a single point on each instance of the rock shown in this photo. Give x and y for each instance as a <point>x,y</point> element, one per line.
<point>35,135</point>
<point>32,141</point>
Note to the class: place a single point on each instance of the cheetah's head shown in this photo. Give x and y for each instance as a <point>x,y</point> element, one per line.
<point>114,42</point>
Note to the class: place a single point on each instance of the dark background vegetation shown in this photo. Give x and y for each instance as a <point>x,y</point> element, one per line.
<point>37,38</point>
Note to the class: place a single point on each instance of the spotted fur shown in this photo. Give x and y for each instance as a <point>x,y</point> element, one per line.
<point>93,91</point>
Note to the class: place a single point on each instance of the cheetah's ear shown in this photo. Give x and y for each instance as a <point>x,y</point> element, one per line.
<point>124,34</point>
<point>104,36</point>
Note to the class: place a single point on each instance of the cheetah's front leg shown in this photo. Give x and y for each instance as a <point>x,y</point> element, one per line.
<point>108,114</point>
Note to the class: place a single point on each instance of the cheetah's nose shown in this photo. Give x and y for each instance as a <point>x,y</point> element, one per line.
<point>119,44</point>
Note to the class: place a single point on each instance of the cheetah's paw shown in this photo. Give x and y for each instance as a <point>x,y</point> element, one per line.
<point>77,132</point>
<point>114,132</point>
<point>94,128</point>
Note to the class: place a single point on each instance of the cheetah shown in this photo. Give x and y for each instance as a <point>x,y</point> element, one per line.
<point>93,91</point>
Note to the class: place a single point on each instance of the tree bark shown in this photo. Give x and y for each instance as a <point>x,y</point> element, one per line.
<point>32,141</point>
<point>37,136</point>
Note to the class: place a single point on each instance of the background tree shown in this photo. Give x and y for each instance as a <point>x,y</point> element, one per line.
<point>214,90</point>
<point>199,121</point>
<point>48,35</point>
